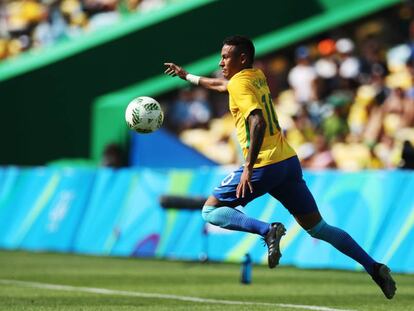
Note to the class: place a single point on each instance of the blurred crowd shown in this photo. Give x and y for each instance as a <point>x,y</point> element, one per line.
<point>27,24</point>
<point>344,100</point>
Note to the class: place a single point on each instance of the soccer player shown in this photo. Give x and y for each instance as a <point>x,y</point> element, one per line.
<point>271,165</point>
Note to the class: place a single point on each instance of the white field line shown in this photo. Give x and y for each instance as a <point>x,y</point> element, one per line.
<point>104,291</point>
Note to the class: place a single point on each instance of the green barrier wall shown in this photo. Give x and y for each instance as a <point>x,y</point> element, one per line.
<point>46,100</point>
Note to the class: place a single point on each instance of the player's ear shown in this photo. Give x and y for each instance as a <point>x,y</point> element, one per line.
<point>243,58</point>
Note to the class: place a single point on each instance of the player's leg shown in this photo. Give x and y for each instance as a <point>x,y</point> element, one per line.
<point>343,242</point>
<point>216,213</point>
<point>337,237</point>
<point>228,217</point>
<point>297,198</point>
<point>220,210</point>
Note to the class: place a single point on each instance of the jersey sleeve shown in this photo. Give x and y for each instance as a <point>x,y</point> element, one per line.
<point>244,96</point>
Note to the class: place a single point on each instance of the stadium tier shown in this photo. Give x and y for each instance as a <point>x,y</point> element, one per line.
<point>49,95</point>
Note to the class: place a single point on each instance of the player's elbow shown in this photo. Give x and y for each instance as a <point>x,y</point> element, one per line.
<point>222,87</point>
<point>257,123</point>
<point>259,131</point>
<point>260,125</point>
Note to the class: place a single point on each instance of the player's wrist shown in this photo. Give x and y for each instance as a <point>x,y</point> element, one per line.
<point>248,165</point>
<point>192,78</point>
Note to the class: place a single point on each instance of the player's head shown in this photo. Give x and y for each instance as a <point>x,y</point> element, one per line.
<point>237,54</point>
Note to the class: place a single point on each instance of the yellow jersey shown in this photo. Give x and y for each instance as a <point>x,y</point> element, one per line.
<point>248,91</point>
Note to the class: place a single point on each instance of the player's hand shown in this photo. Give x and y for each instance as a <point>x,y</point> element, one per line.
<point>245,183</point>
<point>175,70</point>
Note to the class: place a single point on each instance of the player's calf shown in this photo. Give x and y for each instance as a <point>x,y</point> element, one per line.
<point>233,219</point>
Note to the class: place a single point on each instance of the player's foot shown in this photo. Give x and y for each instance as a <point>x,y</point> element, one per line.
<point>382,277</point>
<point>272,240</point>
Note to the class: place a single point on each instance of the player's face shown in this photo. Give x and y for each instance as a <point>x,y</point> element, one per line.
<point>230,63</point>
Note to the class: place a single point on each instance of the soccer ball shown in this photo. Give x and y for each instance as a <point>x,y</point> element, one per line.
<point>144,115</point>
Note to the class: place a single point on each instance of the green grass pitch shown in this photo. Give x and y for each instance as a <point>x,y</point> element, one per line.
<point>108,283</point>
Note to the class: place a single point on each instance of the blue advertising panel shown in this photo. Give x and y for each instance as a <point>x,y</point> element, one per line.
<point>57,221</point>
<point>29,192</point>
<point>118,212</point>
<point>43,208</point>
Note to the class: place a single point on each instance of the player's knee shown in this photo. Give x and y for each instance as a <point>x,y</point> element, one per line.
<point>206,213</point>
<point>316,231</point>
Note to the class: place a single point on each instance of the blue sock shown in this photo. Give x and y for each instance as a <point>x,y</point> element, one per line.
<point>343,242</point>
<point>233,219</point>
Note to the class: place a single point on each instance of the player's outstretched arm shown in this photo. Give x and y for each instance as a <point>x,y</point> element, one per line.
<point>215,84</point>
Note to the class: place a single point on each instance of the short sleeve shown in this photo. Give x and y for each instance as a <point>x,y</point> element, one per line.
<point>243,96</point>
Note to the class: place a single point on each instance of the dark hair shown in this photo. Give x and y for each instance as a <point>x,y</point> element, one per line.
<point>243,45</point>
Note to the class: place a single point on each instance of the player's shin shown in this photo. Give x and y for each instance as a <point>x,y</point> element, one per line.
<point>343,242</point>
<point>233,219</point>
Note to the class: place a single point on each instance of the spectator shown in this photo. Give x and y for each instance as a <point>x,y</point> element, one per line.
<point>349,110</point>
<point>351,154</point>
<point>114,156</point>
<point>397,111</point>
<point>199,109</point>
<point>326,68</point>
<point>372,64</point>
<point>101,13</point>
<point>25,24</point>
<point>407,156</point>
<point>388,151</point>
<point>335,127</point>
<point>349,65</point>
<point>76,19</point>
<point>151,5</point>
<point>190,110</point>
<point>322,157</point>
<point>178,113</point>
<point>302,77</point>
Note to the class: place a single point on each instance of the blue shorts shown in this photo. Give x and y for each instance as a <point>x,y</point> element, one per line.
<point>282,180</point>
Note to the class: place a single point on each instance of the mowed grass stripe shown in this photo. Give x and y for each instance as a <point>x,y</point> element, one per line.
<point>275,289</point>
<point>104,291</point>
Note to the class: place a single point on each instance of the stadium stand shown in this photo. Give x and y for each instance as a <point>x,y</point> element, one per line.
<point>28,24</point>
<point>344,103</point>
<point>113,104</point>
<point>67,78</point>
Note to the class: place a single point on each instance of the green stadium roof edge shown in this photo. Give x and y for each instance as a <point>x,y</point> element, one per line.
<point>40,57</point>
